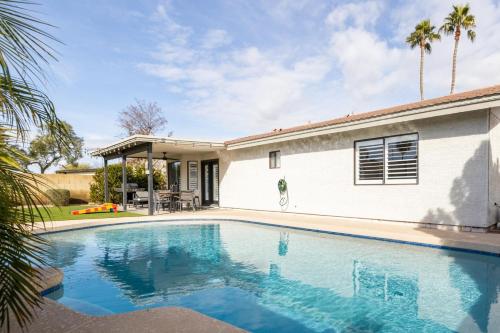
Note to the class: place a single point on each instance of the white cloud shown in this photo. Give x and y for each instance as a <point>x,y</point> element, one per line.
<point>167,25</point>
<point>215,38</point>
<point>369,66</point>
<point>247,89</point>
<point>358,14</point>
<point>355,66</point>
<point>171,52</point>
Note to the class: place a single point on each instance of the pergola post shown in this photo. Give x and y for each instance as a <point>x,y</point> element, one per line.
<point>150,179</point>
<point>124,182</point>
<point>106,189</point>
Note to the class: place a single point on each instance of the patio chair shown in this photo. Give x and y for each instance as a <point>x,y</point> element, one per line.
<point>186,197</point>
<point>161,200</point>
<point>196,199</point>
<point>140,198</point>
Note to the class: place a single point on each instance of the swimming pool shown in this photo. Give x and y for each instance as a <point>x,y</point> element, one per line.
<point>272,279</point>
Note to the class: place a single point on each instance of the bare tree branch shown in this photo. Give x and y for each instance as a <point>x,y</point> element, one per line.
<point>143,117</point>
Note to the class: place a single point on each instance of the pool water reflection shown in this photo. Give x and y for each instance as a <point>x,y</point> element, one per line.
<point>266,279</point>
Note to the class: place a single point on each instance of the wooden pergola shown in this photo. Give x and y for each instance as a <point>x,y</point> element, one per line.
<point>149,148</point>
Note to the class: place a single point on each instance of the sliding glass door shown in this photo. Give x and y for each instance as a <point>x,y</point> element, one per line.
<point>210,182</point>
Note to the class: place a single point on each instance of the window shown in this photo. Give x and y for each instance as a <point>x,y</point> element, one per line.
<point>274,159</point>
<point>390,160</point>
<point>192,175</point>
<point>402,159</point>
<point>370,161</point>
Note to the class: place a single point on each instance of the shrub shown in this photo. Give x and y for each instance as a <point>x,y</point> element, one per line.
<point>134,175</point>
<point>59,196</point>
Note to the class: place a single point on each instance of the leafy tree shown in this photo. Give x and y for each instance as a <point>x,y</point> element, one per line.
<point>423,36</point>
<point>46,150</point>
<point>460,18</point>
<point>143,117</point>
<point>135,174</point>
<point>24,52</point>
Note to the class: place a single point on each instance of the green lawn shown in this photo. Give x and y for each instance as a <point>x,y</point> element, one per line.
<point>64,213</point>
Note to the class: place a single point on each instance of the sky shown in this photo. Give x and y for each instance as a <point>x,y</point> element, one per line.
<point>222,69</point>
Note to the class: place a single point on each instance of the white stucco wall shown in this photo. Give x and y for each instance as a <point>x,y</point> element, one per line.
<point>452,189</point>
<point>494,168</point>
<point>198,157</point>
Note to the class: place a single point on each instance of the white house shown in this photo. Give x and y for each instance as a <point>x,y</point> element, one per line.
<point>434,162</point>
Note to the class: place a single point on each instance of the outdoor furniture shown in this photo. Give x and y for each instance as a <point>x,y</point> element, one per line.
<point>131,189</point>
<point>186,197</point>
<point>174,197</point>
<point>162,200</point>
<point>196,198</point>
<point>140,198</point>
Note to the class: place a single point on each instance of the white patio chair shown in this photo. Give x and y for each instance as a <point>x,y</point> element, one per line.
<point>186,197</point>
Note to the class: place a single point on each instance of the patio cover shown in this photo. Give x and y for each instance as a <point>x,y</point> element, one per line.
<point>149,147</point>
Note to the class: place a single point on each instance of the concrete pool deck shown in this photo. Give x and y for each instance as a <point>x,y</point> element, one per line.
<point>54,317</point>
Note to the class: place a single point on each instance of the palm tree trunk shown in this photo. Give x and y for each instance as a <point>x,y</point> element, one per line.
<point>421,73</point>
<point>454,66</point>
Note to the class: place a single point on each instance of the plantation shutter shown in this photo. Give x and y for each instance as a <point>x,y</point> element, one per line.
<point>370,162</point>
<point>401,159</point>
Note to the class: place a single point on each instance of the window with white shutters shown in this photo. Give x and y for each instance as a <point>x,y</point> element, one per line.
<point>370,162</point>
<point>402,159</point>
<point>390,160</point>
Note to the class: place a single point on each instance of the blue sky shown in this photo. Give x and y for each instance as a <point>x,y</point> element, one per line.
<point>226,68</point>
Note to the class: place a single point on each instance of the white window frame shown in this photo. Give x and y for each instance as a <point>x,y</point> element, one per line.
<point>393,139</point>
<point>386,141</point>
<point>275,156</point>
<point>364,143</point>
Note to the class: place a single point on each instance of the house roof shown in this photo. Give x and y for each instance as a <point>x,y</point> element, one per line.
<point>459,97</point>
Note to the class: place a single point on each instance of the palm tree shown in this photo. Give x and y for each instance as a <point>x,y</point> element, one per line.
<point>24,53</point>
<point>422,37</point>
<point>460,18</point>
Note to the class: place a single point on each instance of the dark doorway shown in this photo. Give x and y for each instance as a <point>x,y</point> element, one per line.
<point>174,175</point>
<point>210,182</point>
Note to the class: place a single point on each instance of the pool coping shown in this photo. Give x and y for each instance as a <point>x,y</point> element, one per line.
<point>465,247</point>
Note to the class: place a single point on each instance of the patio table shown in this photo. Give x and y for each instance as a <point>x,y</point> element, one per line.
<point>172,196</point>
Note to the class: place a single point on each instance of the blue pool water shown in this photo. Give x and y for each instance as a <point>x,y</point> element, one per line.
<point>266,279</point>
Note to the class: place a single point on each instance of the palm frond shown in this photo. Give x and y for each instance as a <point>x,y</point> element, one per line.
<point>459,18</point>
<point>423,35</point>
<point>24,105</point>
<point>24,52</point>
<point>471,35</point>
<point>24,44</point>
<point>20,250</point>
<point>428,47</point>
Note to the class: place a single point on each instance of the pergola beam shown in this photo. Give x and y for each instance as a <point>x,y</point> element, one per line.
<point>150,179</point>
<point>124,182</point>
<point>106,185</point>
<point>128,151</point>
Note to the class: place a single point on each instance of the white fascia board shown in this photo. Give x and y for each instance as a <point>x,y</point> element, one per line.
<point>139,139</point>
<point>404,116</point>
